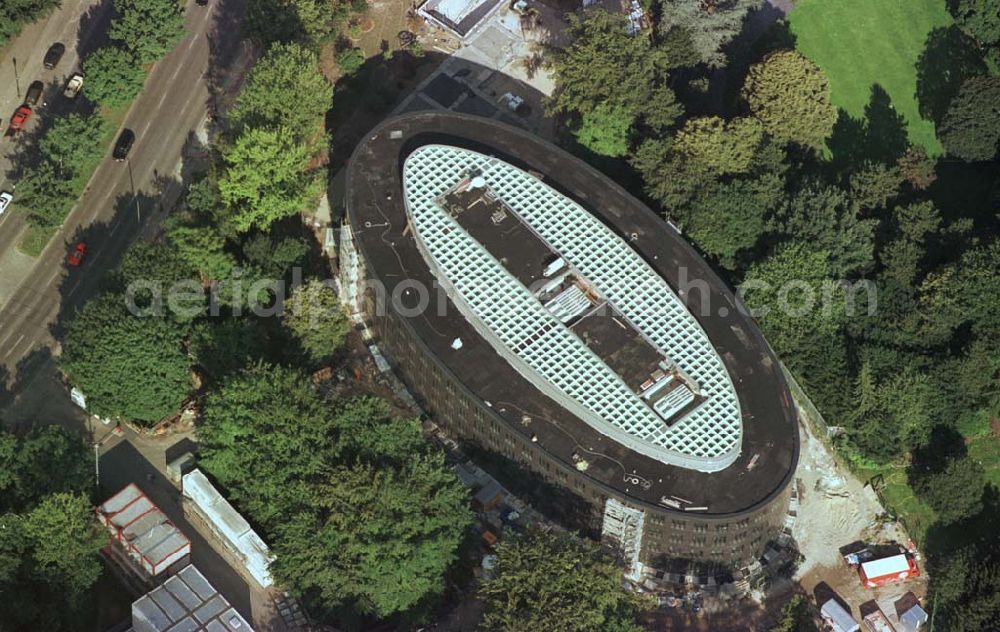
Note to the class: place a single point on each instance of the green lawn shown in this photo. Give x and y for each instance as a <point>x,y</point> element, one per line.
<point>859,43</point>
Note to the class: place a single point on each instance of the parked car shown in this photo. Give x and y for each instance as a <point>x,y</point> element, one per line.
<point>20,119</point>
<point>73,86</point>
<point>201,3</point>
<point>34,93</point>
<point>6,197</point>
<point>53,55</point>
<point>75,258</point>
<point>123,145</point>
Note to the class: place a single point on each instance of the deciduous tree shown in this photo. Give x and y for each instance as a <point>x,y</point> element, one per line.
<point>266,178</point>
<point>269,438</point>
<point>954,492</point>
<point>790,95</point>
<point>287,73</point>
<point>604,67</point>
<point>378,539</point>
<point>315,318</point>
<point>148,29</point>
<point>114,76</point>
<point>127,366</point>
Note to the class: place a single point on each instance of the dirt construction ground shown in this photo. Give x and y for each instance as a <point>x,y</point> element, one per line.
<point>836,509</point>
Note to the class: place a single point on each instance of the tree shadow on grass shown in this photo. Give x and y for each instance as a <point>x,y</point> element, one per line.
<point>879,136</point>
<point>949,58</point>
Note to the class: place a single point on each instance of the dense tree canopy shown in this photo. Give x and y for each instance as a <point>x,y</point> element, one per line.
<point>731,220</point>
<point>553,581</point>
<point>147,29</point>
<point>720,147</point>
<point>981,20</point>
<point>790,95</point>
<point>128,366</point>
<point>287,73</point>
<point>315,318</point>
<point>610,77</point>
<point>827,219</point>
<point>796,616</point>
<point>970,128</point>
<point>378,539</point>
<point>266,178</point>
<point>114,76</point>
<point>268,437</point>
<point>49,540</point>
<point>955,491</point>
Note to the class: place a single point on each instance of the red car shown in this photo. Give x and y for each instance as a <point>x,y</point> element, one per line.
<point>75,258</point>
<point>21,116</point>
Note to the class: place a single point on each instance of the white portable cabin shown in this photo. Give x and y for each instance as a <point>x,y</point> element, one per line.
<point>838,618</point>
<point>234,530</point>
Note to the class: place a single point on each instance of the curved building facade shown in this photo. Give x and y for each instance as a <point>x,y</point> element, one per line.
<point>541,313</point>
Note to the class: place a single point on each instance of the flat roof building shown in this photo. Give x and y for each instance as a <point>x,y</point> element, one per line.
<point>540,312</point>
<point>186,602</point>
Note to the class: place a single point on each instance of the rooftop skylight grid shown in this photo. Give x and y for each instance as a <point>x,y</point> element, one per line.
<point>707,438</point>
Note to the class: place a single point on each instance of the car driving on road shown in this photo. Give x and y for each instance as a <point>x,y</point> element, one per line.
<point>6,197</point>
<point>123,144</point>
<point>53,55</point>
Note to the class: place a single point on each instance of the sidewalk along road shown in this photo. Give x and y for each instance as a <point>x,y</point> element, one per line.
<point>108,216</point>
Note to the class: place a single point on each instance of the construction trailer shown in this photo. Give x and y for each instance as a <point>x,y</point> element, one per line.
<point>887,570</point>
<point>186,602</point>
<point>142,537</point>
<point>839,619</point>
<point>229,526</point>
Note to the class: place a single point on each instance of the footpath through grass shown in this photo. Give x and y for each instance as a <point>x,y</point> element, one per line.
<point>860,43</point>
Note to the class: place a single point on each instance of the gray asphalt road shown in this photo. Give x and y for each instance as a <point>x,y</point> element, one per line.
<point>107,216</point>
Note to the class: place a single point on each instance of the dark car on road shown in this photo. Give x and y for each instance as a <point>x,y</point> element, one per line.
<point>123,145</point>
<point>34,92</point>
<point>53,55</point>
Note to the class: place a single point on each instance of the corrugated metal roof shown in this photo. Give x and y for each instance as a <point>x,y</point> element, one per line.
<point>186,603</point>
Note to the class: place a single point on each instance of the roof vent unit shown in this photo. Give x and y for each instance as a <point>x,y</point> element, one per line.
<point>477,182</point>
<point>553,267</point>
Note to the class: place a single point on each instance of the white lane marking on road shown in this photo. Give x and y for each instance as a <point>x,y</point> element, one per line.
<point>72,290</point>
<point>118,223</point>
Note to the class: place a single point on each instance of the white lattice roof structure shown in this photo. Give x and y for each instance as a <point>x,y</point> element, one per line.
<point>539,346</point>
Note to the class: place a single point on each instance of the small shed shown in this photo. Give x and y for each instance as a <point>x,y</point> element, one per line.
<point>140,530</point>
<point>839,618</point>
<point>911,615</point>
